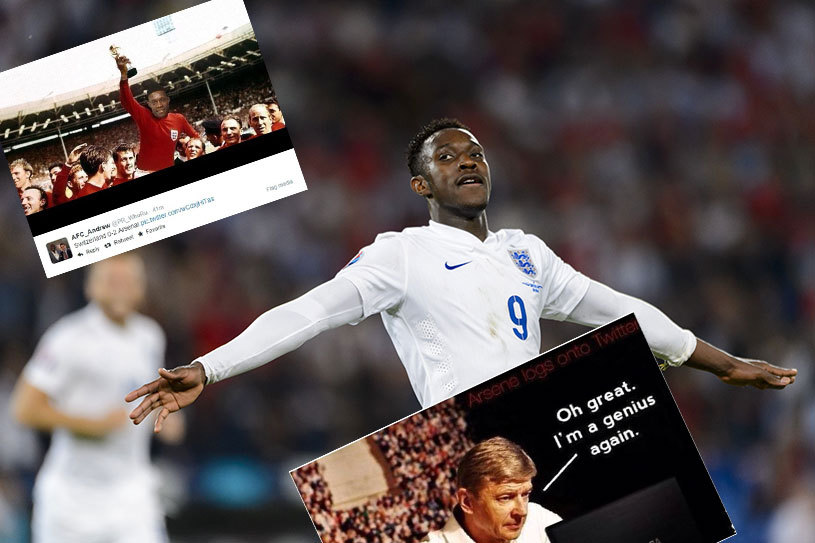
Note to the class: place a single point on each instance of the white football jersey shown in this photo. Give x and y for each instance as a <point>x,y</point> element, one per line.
<point>459,310</point>
<point>86,364</point>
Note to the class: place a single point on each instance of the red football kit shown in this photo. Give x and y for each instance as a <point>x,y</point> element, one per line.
<point>157,137</point>
<point>60,184</point>
<point>119,181</point>
<point>88,189</point>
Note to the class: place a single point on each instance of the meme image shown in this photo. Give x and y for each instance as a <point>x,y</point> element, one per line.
<point>662,150</point>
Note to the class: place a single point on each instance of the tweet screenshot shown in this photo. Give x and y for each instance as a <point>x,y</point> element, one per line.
<point>144,134</point>
<point>583,443</point>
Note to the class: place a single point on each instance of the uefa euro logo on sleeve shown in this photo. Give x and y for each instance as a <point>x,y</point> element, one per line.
<point>523,261</point>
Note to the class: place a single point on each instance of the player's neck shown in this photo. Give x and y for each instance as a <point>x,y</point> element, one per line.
<point>476,226</point>
<point>116,318</point>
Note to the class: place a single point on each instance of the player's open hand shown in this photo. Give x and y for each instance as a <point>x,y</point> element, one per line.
<point>173,390</point>
<point>76,152</point>
<point>758,373</point>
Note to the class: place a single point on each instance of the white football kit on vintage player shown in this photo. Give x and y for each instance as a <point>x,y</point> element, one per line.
<point>96,489</point>
<point>457,309</point>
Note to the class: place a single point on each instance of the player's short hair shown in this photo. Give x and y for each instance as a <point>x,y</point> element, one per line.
<point>123,148</point>
<point>494,460</point>
<point>152,87</point>
<point>75,169</point>
<point>23,163</point>
<point>199,140</point>
<point>92,157</point>
<point>232,118</point>
<point>414,150</point>
<point>43,195</point>
<point>54,165</point>
<point>264,106</point>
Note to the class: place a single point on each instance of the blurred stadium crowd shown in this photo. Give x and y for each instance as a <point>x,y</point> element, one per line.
<point>664,148</point>
<point>422,453</point>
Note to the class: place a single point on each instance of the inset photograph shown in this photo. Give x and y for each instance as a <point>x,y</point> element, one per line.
<point>146,129</point>
<point>59,250</point>
<point>558,450</point>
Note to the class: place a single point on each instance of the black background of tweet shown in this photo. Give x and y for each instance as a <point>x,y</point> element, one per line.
<point>663,449</point>
<point>160,182</point>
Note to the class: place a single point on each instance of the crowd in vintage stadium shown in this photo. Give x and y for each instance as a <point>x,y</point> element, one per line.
<point>111,155</point>
<point>422,453</point>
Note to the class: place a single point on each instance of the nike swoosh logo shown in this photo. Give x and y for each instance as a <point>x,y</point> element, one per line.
<point>449,267</point>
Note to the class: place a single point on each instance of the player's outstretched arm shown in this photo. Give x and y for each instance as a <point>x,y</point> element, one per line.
<point>670,342</point>
<point>273,334</point>
<point>739,371</point>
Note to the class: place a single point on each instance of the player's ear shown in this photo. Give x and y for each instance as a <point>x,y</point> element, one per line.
<point>465,500</point>
<point>420,186</point>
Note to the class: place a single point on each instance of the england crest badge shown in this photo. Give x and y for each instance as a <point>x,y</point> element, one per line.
<point>521,259</point>
<point>173,135</point>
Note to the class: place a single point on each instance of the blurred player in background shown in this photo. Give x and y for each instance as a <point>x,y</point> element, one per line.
<point>97,472</point>
<point>494,481</point>
<point>158,128</point>
<point>461,304</point>
<point>125,158</point>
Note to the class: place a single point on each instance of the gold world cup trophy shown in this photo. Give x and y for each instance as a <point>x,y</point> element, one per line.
<point>131,71</point>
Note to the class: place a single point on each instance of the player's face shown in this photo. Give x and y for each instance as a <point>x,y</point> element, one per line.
<point>194,149</point>
<point>31,200</point>
<point>109,169</point>
<point>78,180</point>
<point>53,172</point>
<point>277,115</point>
<point>498,512</point>
<point>21,177</point>
<point>126,165</point>
<point>159,103</point>
<point>260,120</point>
<point>118,286</point>
<point>231,131</point>
<point>457,172</point>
